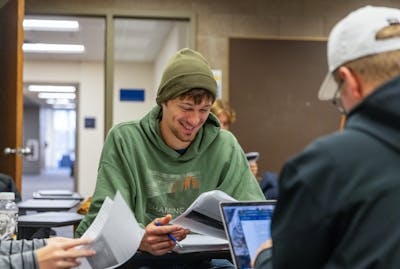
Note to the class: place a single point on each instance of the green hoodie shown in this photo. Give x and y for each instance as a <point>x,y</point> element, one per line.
<point>155,180</point>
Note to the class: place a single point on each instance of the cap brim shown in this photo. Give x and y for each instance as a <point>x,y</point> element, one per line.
<point>328,88</point>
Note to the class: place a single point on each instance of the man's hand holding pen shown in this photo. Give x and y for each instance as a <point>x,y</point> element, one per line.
<point>170,235</point>
<point>160,238</point>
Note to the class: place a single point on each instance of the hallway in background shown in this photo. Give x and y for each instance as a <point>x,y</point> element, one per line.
<point>50,179</point>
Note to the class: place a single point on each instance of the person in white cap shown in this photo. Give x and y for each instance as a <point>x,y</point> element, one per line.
<point>339,198</point>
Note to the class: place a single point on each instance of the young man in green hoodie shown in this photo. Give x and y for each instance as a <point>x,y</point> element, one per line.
<point>164,161</point>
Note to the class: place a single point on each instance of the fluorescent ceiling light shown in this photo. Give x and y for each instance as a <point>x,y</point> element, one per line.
<point>66,106</point>
<point>51,88</point>
<point>56,95</point>
<point>51,25</point>
<point>52,48</point>
<point>57,101</point>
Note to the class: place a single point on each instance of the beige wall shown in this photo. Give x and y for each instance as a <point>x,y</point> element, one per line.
<point>217,20</point>
<point>177,39</point>
<point>132,76</point>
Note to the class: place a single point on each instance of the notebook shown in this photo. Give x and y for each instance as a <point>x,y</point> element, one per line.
<point>247,226</point>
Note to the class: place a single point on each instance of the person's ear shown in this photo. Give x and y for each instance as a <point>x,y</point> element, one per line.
<point>164,104</point>
<point>352,82</point>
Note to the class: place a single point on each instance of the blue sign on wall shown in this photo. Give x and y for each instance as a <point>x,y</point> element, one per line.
<point>90,122</point>
<point>131,95</point>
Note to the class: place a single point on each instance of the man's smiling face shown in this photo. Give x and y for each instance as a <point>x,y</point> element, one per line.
<point>182,120</point>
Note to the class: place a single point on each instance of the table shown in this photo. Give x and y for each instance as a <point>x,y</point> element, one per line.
<point>29,224</point>
<point>144,258</point>
<point>41,205</point>
<point>73,196</point>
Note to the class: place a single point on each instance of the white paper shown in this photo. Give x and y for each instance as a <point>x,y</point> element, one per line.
<point>117,235</point>
<point>203,215</point>
<point>201,242</point>
<point>55,192</point>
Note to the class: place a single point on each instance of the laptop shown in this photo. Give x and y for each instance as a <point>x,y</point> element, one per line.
<point>247,226</point>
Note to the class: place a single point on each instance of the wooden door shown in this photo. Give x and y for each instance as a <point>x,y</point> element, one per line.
<point>11,90</point>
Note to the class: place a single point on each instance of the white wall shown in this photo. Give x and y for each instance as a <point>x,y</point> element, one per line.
<point>90,77</point>
<point>177,38</point>
<point>146,76</point>
<point>132,76</point>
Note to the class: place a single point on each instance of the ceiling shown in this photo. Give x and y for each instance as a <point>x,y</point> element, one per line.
<point>138,40</point>
<point>135,39</point>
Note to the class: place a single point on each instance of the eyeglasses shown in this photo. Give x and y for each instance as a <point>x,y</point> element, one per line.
<point>336,101</point>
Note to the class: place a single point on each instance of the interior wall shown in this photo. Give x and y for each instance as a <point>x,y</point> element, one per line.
<point>217,21</point>
<point>274,88</point>
<point>132,76</point>
<point>177,39</point>
<point>147,76</point>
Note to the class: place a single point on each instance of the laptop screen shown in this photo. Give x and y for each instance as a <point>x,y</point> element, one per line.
<point>247,226</point>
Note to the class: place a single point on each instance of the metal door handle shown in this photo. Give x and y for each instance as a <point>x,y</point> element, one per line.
<point>20,151</point>
<point>25,151</point>
<point>9,151</point>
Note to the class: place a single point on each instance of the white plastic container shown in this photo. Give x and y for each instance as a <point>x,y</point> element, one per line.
<point>8,216</point>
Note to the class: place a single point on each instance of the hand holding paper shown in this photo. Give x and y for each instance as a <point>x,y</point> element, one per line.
<point>203,214</point>
<point>114,243</point>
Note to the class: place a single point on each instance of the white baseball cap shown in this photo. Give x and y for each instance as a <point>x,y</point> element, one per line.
<point>354,37</point>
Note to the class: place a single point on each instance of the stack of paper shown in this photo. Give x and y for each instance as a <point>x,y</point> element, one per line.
<point>203,215</point>
<point>201,242</point>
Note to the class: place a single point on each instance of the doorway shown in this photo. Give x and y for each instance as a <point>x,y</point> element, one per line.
<point>53,82</point>
<point>49,130</point>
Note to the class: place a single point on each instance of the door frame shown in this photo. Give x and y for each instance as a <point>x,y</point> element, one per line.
<point>11,86</point>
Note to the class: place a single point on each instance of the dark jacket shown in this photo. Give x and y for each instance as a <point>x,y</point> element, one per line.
<point>339,200</point>
<point>269,185</point>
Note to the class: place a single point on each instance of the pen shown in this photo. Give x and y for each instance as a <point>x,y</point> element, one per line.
<point>170,236</point>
